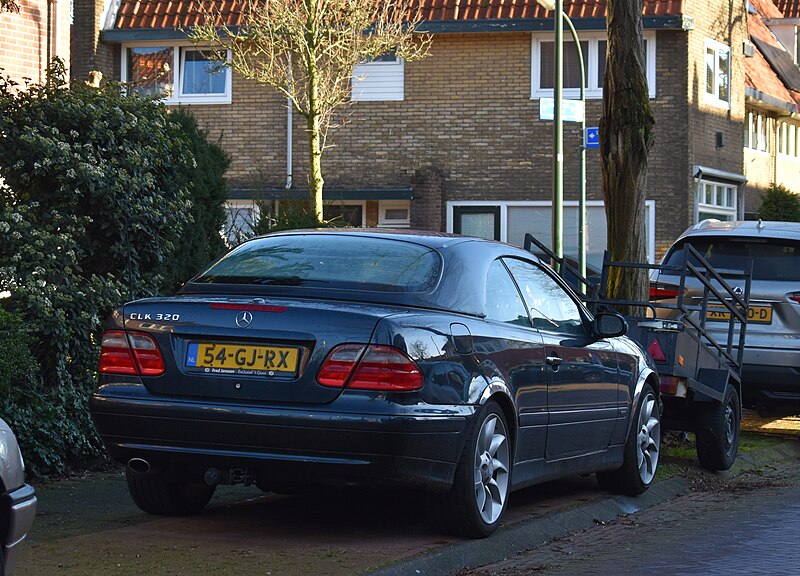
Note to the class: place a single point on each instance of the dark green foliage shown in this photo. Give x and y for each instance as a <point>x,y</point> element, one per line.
<point>114,159</point>
<point>779,203</point>
<point>201,241</point>
<point>94,202</point>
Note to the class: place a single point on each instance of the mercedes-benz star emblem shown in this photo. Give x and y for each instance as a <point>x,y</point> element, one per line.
<point>244,319</point>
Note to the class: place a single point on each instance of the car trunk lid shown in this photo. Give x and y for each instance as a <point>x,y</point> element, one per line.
<point>249,349</point>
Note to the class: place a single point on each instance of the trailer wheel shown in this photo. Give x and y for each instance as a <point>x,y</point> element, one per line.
<point>717,431</point>
<point>641,450</point>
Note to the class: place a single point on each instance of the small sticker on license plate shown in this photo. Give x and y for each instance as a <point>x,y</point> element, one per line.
<point>242,359</point>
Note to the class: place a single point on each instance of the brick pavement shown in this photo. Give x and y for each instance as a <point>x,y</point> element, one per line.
<point>748,526</point>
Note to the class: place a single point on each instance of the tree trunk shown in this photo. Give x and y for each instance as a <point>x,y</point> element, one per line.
<point>315,180</point>
<point>625,140</point>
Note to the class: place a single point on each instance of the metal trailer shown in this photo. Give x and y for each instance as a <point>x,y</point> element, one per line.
<point>700,376</point>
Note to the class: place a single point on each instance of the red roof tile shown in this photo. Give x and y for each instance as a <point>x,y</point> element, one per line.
<point>759,74</point>
<point>134,14</point>
<point>789,8</point>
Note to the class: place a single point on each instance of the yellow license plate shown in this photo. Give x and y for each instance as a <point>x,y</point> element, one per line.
<point>242,359</point>
<point>755,314</point>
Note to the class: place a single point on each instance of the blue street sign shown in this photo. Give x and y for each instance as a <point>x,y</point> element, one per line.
<point>592,137</point>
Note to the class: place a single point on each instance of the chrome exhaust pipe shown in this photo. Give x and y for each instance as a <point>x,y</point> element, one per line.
<point>139,465</point>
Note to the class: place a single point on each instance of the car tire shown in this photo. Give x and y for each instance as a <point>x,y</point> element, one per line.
<point>475,504</point>
<point>153,494</point>
<point>641,451</point>
<point>717,431</point>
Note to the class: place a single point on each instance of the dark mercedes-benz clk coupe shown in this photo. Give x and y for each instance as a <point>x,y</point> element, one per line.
<point>453,365</point>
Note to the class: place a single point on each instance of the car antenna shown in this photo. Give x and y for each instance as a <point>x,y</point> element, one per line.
<point>760,225</point>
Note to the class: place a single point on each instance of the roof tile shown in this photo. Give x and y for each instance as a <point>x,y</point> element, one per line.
<point>134,14</point>
<point>789,8</point>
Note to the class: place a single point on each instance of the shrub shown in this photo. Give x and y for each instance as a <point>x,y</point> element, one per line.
<point>95,202</point>
<point>201,242</point>
<point>779,203</point>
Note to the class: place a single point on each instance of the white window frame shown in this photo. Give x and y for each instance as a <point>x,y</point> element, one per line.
<point>717,207</point>
<point>788,140</point>
<point>757,136</point>
<point>232,206</point>
<point>361,203</point>
<point>385,205</point>
<point>714,98</point>
<point>178,50</point>
<point>650,206</point>
<point>594,83</point>
<point>361,74</point>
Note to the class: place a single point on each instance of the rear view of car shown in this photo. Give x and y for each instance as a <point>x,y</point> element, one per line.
<point>17,500</point>
<point>771,367</point>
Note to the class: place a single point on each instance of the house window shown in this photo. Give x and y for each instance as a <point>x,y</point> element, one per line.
<point>345,213</point>
<point>593,46</point>
<point>394,214</point>
<point>178,74</point>
<point>510,221</point>
<point>756,135</point>
<point>716,200</point>
<point>379,79</point>
<point>788,140</point>
<point>718,73</point>
<point>482,221</point>
<point>241,217</point>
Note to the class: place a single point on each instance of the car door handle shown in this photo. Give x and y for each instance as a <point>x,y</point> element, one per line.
<point>554,360</point>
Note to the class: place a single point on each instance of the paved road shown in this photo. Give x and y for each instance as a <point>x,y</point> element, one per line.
<point>748,527</point>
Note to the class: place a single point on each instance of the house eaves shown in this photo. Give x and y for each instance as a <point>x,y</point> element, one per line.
<point>767,102</point>
<point>142,20</point>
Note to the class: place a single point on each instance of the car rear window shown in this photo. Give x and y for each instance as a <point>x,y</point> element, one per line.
<point>329,261</point>
<point>773,259</point>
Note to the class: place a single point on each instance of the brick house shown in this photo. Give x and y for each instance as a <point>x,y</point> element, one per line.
<point>455,142</point>
<point>32,36</point>
<point>772,97</point>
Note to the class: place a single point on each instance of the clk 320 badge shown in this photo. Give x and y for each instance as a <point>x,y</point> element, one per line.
<point>154,317</point>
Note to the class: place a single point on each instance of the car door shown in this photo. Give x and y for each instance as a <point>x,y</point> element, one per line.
<point>582,372</point>
<point>509,349</point>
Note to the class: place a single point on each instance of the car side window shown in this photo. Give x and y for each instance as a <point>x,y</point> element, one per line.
<point>551,307</point>
<point>503,302</point>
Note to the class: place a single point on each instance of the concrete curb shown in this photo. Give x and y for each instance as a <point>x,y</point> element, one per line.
<point>529,534</point>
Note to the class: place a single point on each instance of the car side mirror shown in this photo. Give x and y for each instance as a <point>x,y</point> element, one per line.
<point>609,325</point>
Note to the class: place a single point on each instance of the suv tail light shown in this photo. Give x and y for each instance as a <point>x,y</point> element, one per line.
<point>371,367</point>
<point>794,296</point>
<point>662,291</point>
<point>132,353</point>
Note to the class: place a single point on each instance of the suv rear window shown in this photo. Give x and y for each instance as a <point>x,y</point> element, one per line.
<point>329,261</point>
<point>773,259</point>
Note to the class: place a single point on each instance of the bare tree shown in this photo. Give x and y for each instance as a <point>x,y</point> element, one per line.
<point>306,49</point>
<point>8,6</point>
<point>626,137</point>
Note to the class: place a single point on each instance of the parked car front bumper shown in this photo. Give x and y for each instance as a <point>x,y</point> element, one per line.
<point>20,505</point>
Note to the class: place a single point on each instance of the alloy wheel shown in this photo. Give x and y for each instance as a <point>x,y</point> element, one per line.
<point>491,468</point>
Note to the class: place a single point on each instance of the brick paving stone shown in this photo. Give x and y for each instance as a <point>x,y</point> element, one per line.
<point>749,526</point>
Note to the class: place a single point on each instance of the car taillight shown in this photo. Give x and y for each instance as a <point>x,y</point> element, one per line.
<point>134,353</point>
<point>794,296</point>
<point>372,368</point>
<point>662,291</point>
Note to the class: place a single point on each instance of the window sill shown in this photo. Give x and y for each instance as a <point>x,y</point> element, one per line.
<point>716,102</point>
<point>198,101</point>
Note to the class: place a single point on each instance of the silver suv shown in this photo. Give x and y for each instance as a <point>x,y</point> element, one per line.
<point>17,500</point>
<point>771,366</point>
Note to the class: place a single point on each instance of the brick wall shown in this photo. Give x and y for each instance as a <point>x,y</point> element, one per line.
<point>31,37</point>
<point>724,22</point>
<point>87,52</point>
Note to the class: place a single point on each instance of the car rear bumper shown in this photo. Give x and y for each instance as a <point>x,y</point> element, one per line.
<point>771,372</point>
<point>21,507</point>
<point>390,446</point>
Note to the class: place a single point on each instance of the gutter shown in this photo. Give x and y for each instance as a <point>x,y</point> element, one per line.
<point>782,107</point>
<point>678,22</point>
